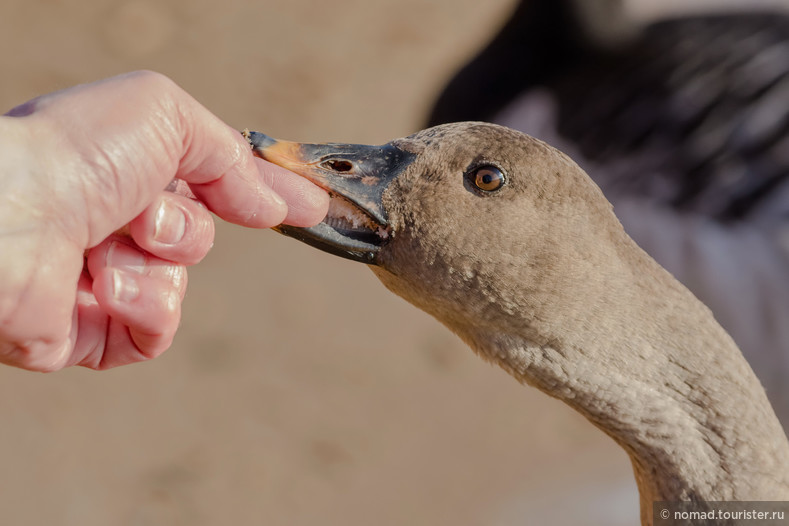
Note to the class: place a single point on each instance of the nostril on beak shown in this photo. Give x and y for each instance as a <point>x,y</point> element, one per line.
<point>337,165</point>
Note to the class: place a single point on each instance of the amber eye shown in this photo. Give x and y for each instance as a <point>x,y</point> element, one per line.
<point>487,178</point>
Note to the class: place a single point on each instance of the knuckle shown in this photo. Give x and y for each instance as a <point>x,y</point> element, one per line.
<point>154,80</point>
<point>33,356</point>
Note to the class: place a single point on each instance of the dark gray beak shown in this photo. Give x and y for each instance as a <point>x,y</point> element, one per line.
<point>356,176</point>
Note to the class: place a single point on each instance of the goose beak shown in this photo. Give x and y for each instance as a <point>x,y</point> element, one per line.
<point>356,176</point>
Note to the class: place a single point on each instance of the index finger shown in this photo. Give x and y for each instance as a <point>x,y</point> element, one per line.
<point>228,181</point>
<point>218,164</point>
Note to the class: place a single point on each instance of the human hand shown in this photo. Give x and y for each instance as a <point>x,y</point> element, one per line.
<point>80,164</point>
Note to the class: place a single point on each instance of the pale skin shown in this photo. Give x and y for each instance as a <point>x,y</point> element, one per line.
<point>106,195</point>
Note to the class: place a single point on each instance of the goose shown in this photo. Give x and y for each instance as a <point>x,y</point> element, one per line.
<point>507,242</point>
<point>683,123</point>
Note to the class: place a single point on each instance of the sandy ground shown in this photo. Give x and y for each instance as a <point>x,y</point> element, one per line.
<point>298,391</point>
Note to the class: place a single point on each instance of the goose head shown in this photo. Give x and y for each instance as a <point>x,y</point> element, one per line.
<point>479,225</point>
<point>507,242</point>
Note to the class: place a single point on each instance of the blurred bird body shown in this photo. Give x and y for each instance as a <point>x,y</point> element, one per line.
<point>683,123</point>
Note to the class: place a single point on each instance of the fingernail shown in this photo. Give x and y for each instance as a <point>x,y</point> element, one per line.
<point>278,199</point>
<point>124,286</point>
<point>123,256</point>
<point>176,275</point>
<point>266,191</point>
<point>169,223</point>
<point>173,300</point>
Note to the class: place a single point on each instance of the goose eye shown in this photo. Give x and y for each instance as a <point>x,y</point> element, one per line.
<point>487,178</point>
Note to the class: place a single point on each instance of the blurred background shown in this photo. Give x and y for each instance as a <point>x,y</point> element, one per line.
<point>298,391</point>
